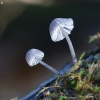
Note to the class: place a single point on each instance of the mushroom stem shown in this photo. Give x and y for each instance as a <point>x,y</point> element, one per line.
<point>70,46</point>
<point>47,66</point>
<point>71,49</point>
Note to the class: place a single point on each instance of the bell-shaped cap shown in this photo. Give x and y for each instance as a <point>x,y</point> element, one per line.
<point>32,54</point>
<point>56,24</point>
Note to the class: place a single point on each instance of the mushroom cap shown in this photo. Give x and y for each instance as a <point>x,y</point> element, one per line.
<point>32,54</point>
<point>56,24</point>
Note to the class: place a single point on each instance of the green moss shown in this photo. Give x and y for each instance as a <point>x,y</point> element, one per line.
<point>80,83</point>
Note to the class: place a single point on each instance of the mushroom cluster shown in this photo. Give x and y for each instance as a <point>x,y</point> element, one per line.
<point>59,29</point>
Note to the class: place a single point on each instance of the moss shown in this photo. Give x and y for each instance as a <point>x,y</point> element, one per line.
<point>82,82</point>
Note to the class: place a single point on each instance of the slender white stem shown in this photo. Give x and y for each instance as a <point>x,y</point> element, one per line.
<point>70,47</point>
<point>47,66</point>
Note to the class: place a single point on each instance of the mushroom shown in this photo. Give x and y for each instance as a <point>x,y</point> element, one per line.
<point>35,56</point>
<point>59,29</point>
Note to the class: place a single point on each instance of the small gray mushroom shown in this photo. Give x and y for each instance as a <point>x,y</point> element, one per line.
<point>59,29</point>
<point>35,56</point>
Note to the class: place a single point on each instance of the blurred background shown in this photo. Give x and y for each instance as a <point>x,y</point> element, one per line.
<point>24,24</point>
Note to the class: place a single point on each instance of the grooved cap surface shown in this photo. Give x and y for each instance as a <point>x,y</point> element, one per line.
<point>55,31</point>
<point>31,54</point>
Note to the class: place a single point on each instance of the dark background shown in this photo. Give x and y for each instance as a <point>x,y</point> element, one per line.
<point>30,29</point>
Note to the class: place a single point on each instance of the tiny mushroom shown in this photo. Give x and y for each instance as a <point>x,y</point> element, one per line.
<point>35,56</point>
<point>59,29</point>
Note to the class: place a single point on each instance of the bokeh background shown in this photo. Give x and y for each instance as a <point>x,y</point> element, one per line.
<point>24,24</point>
